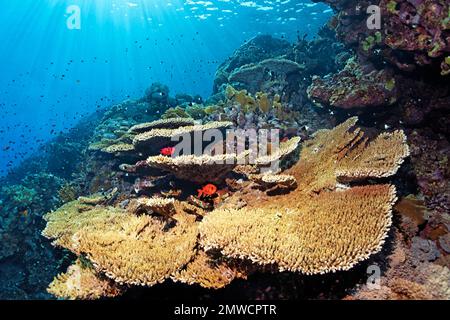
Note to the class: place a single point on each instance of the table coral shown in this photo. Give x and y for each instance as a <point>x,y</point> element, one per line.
<point>200,169</point>
<point>303,231</point>
<point>127,248</point>
<point>145,241</point>
<point>157,139</point>
<point>81,282</point>
<point>171,123</point>
<point>210,273</point>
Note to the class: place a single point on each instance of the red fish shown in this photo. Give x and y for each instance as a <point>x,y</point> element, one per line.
<point>207,191</point>
<point>167,151</point>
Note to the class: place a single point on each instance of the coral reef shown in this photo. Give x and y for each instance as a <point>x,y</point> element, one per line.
<point>254,51</point>
<point>131,213</point>
<point>82,283</point>
<point>145,241</point>
<point>294,234</point>
<point>412,35</point>
<point>199,169</point>
<point>354,88</point>
<point>152,141</point>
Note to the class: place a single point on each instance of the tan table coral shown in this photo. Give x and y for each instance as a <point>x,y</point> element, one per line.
<point>82,282</point>
<point>321,226</point>
<point>127,248</point>
<point>172,123</point>
<point>200,169</point>
<point>316,228</point>
<point>209,273</point>
<point>156,139</point>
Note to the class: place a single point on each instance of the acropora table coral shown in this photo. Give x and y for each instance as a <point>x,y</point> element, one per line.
<point>310,230</point>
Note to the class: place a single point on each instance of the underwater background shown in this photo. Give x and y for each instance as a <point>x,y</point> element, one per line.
<point>72,94</point>
<point>56,75</point>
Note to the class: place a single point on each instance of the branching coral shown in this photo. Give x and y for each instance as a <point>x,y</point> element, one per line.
<point>209,273</point>
<point>81,282</point>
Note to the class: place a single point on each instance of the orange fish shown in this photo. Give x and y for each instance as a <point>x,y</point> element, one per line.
<point>24,213</point>
<point>167,151</point>
<point>207,191</point>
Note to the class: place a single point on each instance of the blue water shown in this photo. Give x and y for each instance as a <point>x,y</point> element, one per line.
<point>52,76</point>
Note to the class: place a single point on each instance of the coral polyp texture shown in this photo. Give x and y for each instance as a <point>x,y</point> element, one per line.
<point>210,273</point>
<point>308,227</point>
<point>313,228</point>
<point>128,248</point>
<point>82,282</point>
<point>311,235</point>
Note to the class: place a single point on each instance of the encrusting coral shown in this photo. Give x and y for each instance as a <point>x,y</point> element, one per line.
<point>354,88</point>
<point>310,229</point>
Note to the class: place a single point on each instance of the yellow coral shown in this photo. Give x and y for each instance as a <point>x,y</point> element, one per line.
<point>274,182</point>
<point>121,148</point>
<point>81,282</point>
<point>328,232</point>
<point>209,273</point>
<point>171,123</point>
<point>159,138</point>
<point>200,169</point>
<point>321,226</point>
<point>263,102</point>
<point>162,206</point>
<point>127,248</point>
<point>380,158</point>
<point>313,228</point>
<point>342,154</point>
<point>285,150</point>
